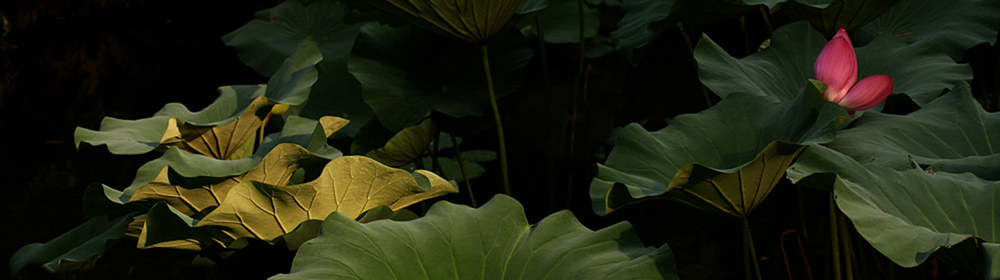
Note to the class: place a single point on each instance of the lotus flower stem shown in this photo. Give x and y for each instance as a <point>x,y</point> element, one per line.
<point>577,88</point>
<point>767,20</point>
<point>802,213</point>
<point>687,40</point>
<point>499,123</point>
<point>845,245</point>
<point>834,240</point>
<point>752,269</point>
<point>435,164</point>
<point>746,37</point>
<point>461,166</point>
<point>541,49</point>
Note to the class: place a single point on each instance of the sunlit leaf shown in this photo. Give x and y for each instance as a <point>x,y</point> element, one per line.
<point>494,241</point>
<point>407,145</point>
<point>725,159</point>
<point>195,195</point>
<point>350,185</point>
<point>306,133</point>
<point>219,142</point>
<point>778,72</point>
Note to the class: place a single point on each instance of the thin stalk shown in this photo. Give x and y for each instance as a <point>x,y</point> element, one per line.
<point>746,37</point>
<point>461,165</point>
<point>687,40</point>
<point>541,48</point>
<point>496,117</point>
<point>435,165</point>
<point>751,268</point>
<point>834,242</point>
<point>845,243</point>
<point>802,213</point>
<point>767,20</point>
<point>575,103</point>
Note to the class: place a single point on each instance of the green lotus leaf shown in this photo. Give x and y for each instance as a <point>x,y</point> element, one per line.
<point>951,134</point>
<point>263,43</point>
<point>953,26</point>
<point>725,159</point>
<point>237,104</point>
<point>405,73</point>
<point>829,16</point>
<point>350,185</point>
<point>771,4</point>
<point>450,168</point>
<point>494,241</point>
<point>407,145</point>
<point>561,22</point>
<point>470,20</point>
<point>634,30</point>
<point>531,6</point>
<point>910,215</point>
<point>266,41</point>
<point>918,70</point>
<point>79,244</point>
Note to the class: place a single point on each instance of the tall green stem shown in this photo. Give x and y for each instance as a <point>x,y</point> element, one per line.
<point>834,240</point>
<point>752,269</point>
<point>461,165</point>
<point>687,40</point>
<point>541,48</point>
<point>499,123</point>
<point>845,244</point>
<point>767,20</point>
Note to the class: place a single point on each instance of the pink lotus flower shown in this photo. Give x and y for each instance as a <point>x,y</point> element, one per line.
<point>837,66</point>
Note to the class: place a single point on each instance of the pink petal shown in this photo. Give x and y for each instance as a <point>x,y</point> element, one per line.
<point>867,93</point>
<point>842,34</point>
<point>837,66</point>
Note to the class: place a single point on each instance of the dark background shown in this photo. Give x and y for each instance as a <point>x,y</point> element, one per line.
<point>68,64</point>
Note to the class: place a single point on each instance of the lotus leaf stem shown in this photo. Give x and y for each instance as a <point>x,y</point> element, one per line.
<point>496,117</point>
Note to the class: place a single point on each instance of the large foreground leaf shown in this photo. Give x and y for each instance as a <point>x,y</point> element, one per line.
<point>725,159</point>
<point>779,71</point>
<point>954,26</point>
<point>406,73</point>
<point>492,242</point>
<point>951,134</point>
<point>350,185</point>
<point>79,244</point>
<point>908,215</point>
